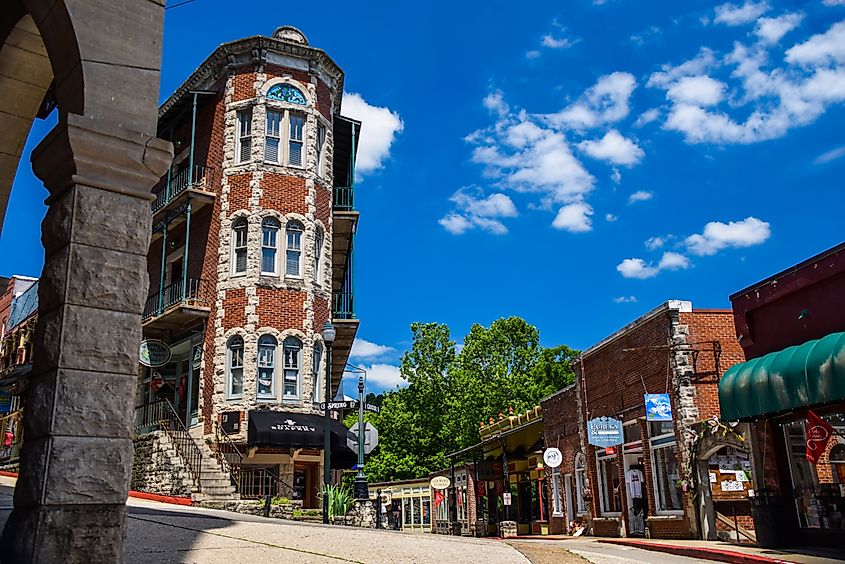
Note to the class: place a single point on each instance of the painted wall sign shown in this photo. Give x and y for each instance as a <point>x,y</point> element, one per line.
<point>658,407</point>
<point>552,457</point>
<point>154,353</point>
<point>440,482</point>
<point>604,432</point>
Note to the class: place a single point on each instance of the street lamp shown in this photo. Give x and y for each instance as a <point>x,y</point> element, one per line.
<point>361,489</point>
<point>329,334</point>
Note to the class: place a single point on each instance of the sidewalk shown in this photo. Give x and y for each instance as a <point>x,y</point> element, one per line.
<point>731,552</point>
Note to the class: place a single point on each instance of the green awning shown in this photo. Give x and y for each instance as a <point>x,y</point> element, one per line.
<point>794,378</point>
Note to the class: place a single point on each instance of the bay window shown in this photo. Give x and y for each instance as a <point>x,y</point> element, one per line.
<point>269,246</point>
<point>292,362</point>
<point>284,136</point>
<point>235,368</point>
<point>243,140</point>
<point>318,255</point>
<point>266,388</point>
<point>239,239</point>
<point>293,249</point>
<point>316,359</point>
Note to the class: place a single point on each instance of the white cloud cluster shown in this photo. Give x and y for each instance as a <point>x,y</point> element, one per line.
<point>363,349</point>
<point>717,236</point>
<point>625,300</point>
<point>654,243</point>
<point>379,127</point>
<point>638,268</point>
<point>640,196</point>
<point>734,14</point>
<point>384,376</point>
<point>553,42</point>
<point>613,148</point>
<point>605,102</point>
<point>773,97</point>
<point>473,210</point>
<point>829,156</point>
<point>574,218</point>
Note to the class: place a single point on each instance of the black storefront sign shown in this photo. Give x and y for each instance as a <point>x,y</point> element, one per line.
<point>284,429</point>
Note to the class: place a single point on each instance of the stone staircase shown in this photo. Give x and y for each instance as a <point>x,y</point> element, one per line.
<point>215,484</point>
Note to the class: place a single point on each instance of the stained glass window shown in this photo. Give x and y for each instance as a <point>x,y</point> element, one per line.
<point>286,93</point>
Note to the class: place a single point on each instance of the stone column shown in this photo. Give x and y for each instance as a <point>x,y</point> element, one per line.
<point>76,460</point>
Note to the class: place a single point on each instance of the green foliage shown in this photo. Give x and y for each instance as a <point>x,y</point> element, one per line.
<point>280,501</point>
<point>449,393</point>
<point>340,499</point>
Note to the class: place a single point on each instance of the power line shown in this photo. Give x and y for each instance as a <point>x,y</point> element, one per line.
<point>182,3</point>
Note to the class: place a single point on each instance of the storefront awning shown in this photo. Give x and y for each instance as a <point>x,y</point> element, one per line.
<point>794,378</point>
<point>284,429</point>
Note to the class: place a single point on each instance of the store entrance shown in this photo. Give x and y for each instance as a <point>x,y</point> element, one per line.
<point>636,491</point>
<point>177,381</point>
<point>305,480</point>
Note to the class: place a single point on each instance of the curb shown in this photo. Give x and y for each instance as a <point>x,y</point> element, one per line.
<point>173,500</point>
<point>716,554</point>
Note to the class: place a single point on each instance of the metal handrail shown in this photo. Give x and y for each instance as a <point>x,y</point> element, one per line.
<point>160,416</point>
<point>344,198</point>
<point>251,483</point>
<point>194,293</point>
<point>343,305</point>
<point>180,182</point>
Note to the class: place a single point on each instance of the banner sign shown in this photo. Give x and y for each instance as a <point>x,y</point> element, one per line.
<point>604,432</point>
<point>154,353</point>
<point>658,407</point>
<point>818,434</point>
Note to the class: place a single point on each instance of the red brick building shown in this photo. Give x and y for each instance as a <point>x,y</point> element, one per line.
<point>646,485</point>
<point>251,255</point>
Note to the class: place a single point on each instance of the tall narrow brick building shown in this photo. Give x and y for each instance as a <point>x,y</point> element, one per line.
<point>251,255</point>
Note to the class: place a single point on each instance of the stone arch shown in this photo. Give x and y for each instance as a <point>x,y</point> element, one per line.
<point>99,164</point>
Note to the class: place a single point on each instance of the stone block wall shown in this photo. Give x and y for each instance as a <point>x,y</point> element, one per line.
<point>157,467</point>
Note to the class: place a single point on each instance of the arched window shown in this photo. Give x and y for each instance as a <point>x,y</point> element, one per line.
<point>235,368</point>
<point>318,255</point>
<point>269,246</point>
<point>266,388</point>
<point>293,249</point>
<point>292,362</point>
<point>580,482</point>
<point>286,93</point>
<point>316,374</point>
<point>239,235</point>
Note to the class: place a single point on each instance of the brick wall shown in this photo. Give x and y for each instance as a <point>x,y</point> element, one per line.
<point>561,430</point>
<point>239,191</point>
<point>285,194</point>
<point>243,80</point>
<point>284,309</point>
<point>234,307</point>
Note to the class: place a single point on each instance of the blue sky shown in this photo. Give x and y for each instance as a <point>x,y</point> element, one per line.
<point>574,164</point>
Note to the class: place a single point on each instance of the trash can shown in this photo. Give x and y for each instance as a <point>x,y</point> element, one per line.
<point>767,515</point>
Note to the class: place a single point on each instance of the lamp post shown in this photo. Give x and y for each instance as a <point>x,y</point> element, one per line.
<point>329,334</point>
<point>361,489</point>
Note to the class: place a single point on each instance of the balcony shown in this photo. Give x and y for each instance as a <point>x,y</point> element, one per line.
<point>171,200</point>
<point>346,325</point>
<point>344,198</point>
<point>177,304</point>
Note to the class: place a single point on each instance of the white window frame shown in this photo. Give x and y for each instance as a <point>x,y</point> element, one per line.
<point>319,243</point>
<point>601,484</point>
<point>294,225</point>
<point>270,224</point>
<point>298,368</point>
<point>322,133</point>
<point>580,483</point>
<point>243,134</point>
<point>270,342</point>
<point>238,224</point>
<point>230,367</point>
<point>316,372</point>
<point>666,440</point>
<point>283,136</point>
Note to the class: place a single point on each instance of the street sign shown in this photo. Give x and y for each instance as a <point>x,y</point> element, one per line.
<point>506,498</point>
<point>370,438</point>
<point>348,405</point>
<point>552,457</point>
<point>440,482</point>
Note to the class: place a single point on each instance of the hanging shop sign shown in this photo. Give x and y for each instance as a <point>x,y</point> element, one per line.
<point>506,499</point>
<point>604,432</point>
<point>153,353</point>
<point>552,457</point>
<point>658,407</point>
<point>440,483</point>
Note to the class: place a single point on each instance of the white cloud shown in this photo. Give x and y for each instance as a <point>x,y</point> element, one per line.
<point>647,116</point>
<point>552,42</point>
<point>610,218</point>
<point>700,64</point>
<point>616,176</point>
<point>475,210</point>
<point>733,14</point>
<point>495,102</point>
<point>833,2</point>
<point>625,300</point>
<point>574,218</point>
<point>384,375</point>
<point>771,30</point>
<point>654,243</point>
<point>613,148</point>
<point>701,90</point>
<point>640,196</point>
<point>604,102</point>
<point>361,348</point>
<point>379,127</point>
<point>820,49</point>
<point>831,155</point>
<point>717,236</point>
<point>638,268</point>
<point>532,54</point>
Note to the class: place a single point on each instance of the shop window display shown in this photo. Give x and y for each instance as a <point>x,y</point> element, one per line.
<point>609,485</point>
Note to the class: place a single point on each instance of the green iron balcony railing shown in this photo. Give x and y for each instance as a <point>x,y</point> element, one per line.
<point>343,305</point>
<point>343,198</point>
<point>193,293</point>
<point>181,181</point>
